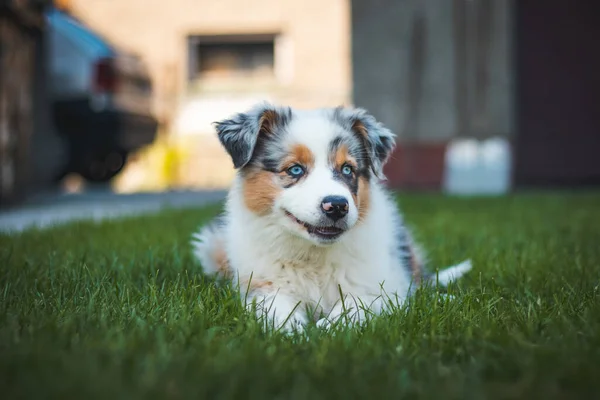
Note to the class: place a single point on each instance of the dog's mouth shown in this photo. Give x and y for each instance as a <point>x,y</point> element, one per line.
<point>322,232</point>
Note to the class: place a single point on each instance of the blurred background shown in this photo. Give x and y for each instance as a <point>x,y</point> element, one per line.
<point>487,96</point>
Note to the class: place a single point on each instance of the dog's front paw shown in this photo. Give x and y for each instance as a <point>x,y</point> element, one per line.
<point>324,323</point>
<point>353,311</point>
<point>340,315</point>
<point>295,322</point>
<point>282,314</point>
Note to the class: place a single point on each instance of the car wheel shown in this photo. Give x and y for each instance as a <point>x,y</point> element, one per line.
<point>101,168</point>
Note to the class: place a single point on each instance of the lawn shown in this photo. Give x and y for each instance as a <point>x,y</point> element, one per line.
<point>120,310</point>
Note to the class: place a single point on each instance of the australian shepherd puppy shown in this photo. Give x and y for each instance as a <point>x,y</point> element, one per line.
<point>309,231</point>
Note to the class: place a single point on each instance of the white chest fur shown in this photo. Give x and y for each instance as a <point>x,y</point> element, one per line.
<point>361,264</point>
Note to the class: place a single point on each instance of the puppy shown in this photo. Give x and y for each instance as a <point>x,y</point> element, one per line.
<point>309,231</point>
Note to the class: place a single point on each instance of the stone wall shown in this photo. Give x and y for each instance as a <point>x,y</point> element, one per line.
<point>435,69</point>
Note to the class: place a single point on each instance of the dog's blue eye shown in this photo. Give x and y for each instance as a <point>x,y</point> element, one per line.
<point>296,171</point>
<point>347,170</point>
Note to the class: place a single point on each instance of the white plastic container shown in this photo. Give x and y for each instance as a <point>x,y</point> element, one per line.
<point>475,167</point>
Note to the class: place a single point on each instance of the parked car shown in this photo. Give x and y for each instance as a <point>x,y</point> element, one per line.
<point>101,99</point>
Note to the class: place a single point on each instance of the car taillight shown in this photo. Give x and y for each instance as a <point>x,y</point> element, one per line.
<point>105,76</point>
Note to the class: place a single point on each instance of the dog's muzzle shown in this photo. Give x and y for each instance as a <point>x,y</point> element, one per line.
<point>323,232</point>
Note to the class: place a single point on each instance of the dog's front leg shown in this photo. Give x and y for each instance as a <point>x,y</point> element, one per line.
<point>277,310</point>
<point>353,310</point>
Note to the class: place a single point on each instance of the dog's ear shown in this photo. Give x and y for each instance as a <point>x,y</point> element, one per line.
<point>240,134</point>
<point>378,140</point>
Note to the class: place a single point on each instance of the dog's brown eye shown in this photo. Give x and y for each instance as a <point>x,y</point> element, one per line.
<point>347,170</point>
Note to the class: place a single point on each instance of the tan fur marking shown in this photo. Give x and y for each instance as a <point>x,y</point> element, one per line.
<point>267,121</point>
<point>221,260</point>
<point>253,284</point>
<point>300,154</point>
<point>285,179</point>
<point>360,128</point>
<point>342,156</point>
<point>260,191</point>
<point>415,266</point>
<point>363,198</point>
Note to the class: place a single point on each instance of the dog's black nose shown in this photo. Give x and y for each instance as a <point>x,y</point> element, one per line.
<point>335,207</point>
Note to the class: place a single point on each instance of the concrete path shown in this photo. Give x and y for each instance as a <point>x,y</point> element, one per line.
<point>51,209</point>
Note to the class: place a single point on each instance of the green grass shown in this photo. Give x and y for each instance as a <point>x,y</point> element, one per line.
<point>120,310</point>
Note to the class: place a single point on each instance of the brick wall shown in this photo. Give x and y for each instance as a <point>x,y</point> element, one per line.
<point>317,34</point>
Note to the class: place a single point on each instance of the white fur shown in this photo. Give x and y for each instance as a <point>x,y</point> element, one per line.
<point>315,132</point>
<point>453,273</point>
<point>361,264</point>
<point>204,243</point>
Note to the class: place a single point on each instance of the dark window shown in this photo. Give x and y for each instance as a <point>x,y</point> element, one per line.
<point>232,57</point>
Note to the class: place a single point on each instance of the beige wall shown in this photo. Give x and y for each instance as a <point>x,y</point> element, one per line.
<point>315,33</point>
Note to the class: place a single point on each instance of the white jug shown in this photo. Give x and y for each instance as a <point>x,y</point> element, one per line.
<point>475,167</point>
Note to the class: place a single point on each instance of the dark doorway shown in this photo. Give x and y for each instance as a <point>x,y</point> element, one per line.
<point>558,86</point>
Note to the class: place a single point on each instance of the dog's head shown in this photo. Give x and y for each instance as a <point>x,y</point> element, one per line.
<point>309,171</point>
